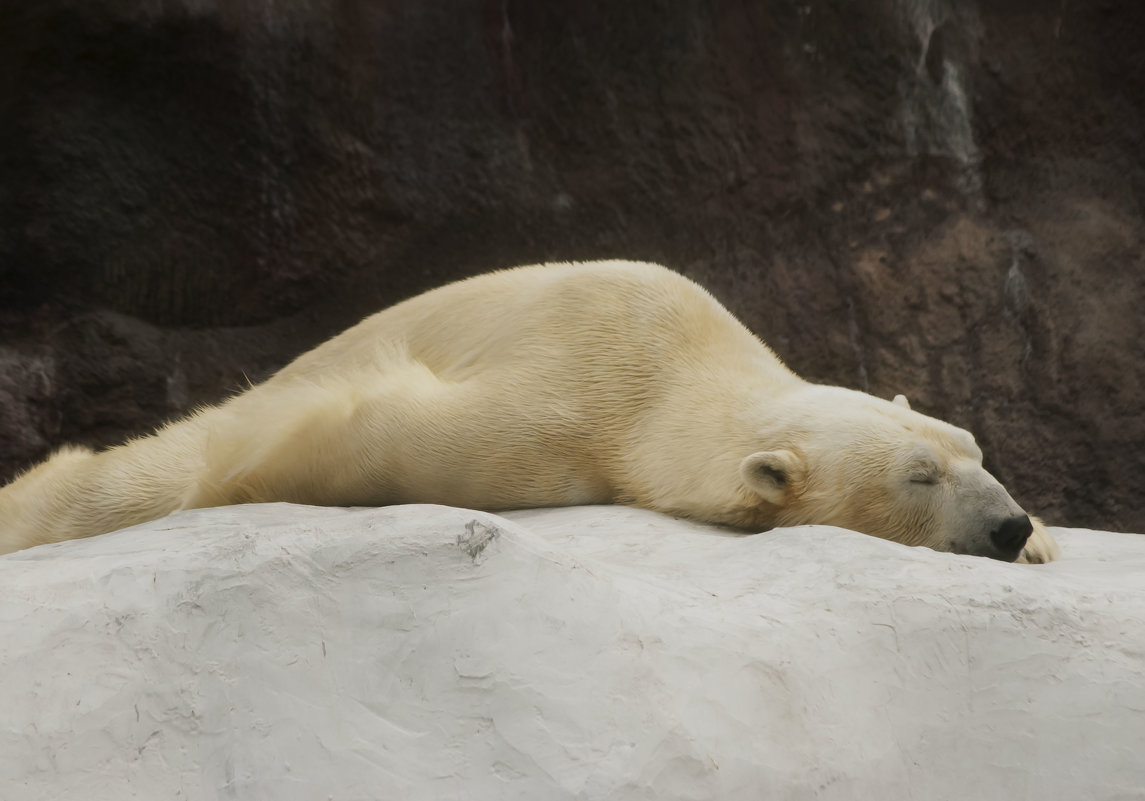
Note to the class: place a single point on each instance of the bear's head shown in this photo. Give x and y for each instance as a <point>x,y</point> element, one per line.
<point>852,460</point>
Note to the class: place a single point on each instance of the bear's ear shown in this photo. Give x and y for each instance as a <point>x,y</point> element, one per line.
<point>900,400</point>
<point>773,474</point>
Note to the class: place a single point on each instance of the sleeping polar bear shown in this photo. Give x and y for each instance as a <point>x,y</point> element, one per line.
<point>550,385</point>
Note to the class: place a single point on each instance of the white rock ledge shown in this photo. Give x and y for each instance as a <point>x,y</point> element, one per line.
<point>421,652</point>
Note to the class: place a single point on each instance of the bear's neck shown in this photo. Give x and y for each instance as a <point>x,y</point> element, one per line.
<point>684,457</point>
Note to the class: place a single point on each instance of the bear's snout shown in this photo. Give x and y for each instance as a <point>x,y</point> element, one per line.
<point>1011,534</point>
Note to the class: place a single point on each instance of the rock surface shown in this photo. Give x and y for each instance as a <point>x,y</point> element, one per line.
<point>287,653</point>
<point>935,197</point>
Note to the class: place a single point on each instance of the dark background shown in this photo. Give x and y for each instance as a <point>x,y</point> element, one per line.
<point>936,197</point>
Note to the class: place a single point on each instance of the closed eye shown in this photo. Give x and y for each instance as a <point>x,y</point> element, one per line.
<point>924,478</point>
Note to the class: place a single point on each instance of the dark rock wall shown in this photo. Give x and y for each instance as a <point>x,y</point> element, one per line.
<point>935,197</point>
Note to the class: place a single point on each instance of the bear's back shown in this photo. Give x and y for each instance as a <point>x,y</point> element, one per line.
<point>618,314</point>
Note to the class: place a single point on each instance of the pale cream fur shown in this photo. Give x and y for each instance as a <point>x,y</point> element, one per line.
<point>543,386</point>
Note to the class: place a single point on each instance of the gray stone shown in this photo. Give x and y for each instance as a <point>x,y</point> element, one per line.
<point>291,652</point>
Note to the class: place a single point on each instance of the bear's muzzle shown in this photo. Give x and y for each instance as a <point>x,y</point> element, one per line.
<point>1010,536</point>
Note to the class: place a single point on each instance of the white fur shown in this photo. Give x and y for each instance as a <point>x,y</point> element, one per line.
<point>542,386</point>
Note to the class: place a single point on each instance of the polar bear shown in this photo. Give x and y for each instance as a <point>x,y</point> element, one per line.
<point>549,385</point>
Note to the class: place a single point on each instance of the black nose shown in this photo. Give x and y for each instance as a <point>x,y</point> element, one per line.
<point>1012,534</point>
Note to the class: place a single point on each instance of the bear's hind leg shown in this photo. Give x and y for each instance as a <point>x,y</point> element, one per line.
<point>331,441</point>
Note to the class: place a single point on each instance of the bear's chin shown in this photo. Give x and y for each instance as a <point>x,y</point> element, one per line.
<point>1008,555</point>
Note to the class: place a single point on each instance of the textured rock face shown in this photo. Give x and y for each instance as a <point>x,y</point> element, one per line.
<point>427,652</point>
<point>937,198</point>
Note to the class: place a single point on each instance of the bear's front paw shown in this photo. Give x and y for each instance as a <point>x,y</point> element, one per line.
<point>1041,547</point>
